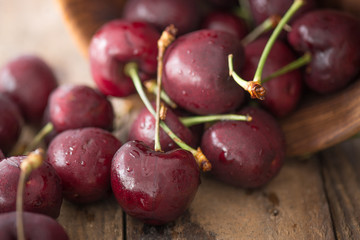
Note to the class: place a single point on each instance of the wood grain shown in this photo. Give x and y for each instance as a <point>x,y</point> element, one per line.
<point>292,206</point>
<point>341,169</point>
<point>101,220</point>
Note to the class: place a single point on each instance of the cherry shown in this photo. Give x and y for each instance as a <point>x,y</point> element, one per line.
<point>196,72</point>
<point>36,227</point>
<point>11,123</point>
<point>143,129</point>
<point>262,9</point>
<point>227,22</point>
<point>224,4</point>
<point>245,154</point>
<point>43,192</point>
<point>115,44</point>
<point>184,14</point>
<point>155,187</point>
<point>283,92</point>
<point>29,81</point>
<point>2,156</point>
<point>82,159</point>
<point>332,37</point>
<point>78,106</point>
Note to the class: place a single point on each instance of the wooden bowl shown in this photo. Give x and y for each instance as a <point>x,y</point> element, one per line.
<point>317,124</point>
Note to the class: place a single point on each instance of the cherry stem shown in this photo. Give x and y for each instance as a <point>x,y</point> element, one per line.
<point>255,89</point>
<point>166,38</point>
<point>290,12</point>
<point>190,121</point>
<point>30,163</point>
<point>243,11</point>
<point>151,87</point>
<point>265,26</point>
<point>39,137</point>
<point>131,70</point>
<point>302,61</point>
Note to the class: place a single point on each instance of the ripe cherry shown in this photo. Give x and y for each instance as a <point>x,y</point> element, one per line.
<point>332,37</point>
<point>28,80</point>
<point>155,187</point>
<point>43,193</point>
<point>245,154</point>
<point>78,106</point>
<point>196,72</point>
<point>82,159</point>
<point>117,43</point>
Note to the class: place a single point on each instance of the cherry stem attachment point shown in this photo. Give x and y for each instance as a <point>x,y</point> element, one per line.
<point>166,38</point>
<point>255,89</point>
<point>191,121</point>
<point>300,62</point>
<point>131,70</point>
<point>39,137</point>
<point>33,161</point>
<point>290,12</point>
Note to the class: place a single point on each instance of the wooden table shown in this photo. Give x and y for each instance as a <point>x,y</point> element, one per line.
<point>317,197</point>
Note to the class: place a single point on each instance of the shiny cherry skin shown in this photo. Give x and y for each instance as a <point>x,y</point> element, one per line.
<point>36,227</point>
<point>184,14</point>
<point>143,129</point>
<point>119,42</point>
<point>11,123</point>
<point>43,191</point>
<point>245,154</point>
<point>79,106</point>
<point>283,93</point>
<point>28,80</point>
<point>196,73</point>
<point>332,37</point>
<point>227,22</point>
<point>262,9</point>
<point>154,187</point>
<point>82,159</point>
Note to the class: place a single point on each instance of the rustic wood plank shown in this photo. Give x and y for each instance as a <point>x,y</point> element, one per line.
<point>101,220</point>
<point>292,206</point>
<point>341,169</point>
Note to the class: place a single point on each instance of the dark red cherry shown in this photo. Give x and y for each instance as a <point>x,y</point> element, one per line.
<point>224,3</point>
<point>29,81</point>
<point>82,159</point>
<point>332,37</point>
<point>227,22</point>
<point>154,187</point>
<point>196,73</point>
<point>36,227</point>
<point>245,154</point>
<point>263,9</point>
<point>43,191</point>
<point>117,43</point>
<point>78,106</point>
<point>11,123</point>
<point>282,93</point>
<point>184,14</point>
<point>143,129</point>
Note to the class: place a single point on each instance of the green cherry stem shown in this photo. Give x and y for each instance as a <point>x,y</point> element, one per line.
<point>255,89</point>
<point>151,87</point>
<point>132,71</point>
<point>30,163</point>
<point>39,137</point>
<point>291,11</point>
<point>265,26</point>
<point>190,121</point>
<point>302,61</point>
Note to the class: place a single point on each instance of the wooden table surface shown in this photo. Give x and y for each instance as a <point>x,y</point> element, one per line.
<point>317,197</point>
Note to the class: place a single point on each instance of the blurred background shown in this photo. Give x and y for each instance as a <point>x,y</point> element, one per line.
<point>37,27</point>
